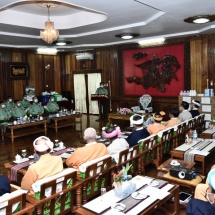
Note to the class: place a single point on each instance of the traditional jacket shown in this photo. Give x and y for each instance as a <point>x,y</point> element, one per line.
<point>155,128</point>
<point>172,122</point>
<point>87,153</point>
<point>52,107</point>
<point>184,115</point>
<point>46,166</point>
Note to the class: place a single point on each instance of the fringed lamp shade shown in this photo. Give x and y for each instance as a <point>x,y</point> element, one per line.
<point>49,34</point>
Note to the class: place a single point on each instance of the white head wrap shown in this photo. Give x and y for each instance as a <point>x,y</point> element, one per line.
<point>43,145</point>
<point>136,122</point>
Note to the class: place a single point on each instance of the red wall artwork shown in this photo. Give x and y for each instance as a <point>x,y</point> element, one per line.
<point>171,87</point>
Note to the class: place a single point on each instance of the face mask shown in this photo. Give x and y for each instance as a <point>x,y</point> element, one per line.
<point>52,100</point>
<point>3,106</point>
<point>10,100</point>
<point>18,104</point>
<point>210,197</point>
<point>35,100</point>
<point>25,98</point>
<point>101,85</point>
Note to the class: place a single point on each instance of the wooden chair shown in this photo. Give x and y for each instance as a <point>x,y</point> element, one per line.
<point>15,203</point>
<point>174,138</point>
<point>202,123</point>
<point>55,194</point>
<point>95,175</point>
<point>128,157</point>
<point>182,133</point>
<point>148,150</point>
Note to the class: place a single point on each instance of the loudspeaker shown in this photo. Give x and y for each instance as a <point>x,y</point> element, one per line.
<point>183,173</point>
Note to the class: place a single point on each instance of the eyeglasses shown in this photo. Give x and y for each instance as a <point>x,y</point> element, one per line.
<point>211,197</point>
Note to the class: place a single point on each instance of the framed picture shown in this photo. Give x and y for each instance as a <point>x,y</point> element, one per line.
<point>18,70</point>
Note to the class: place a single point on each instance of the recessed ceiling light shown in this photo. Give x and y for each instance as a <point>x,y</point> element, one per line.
<point>48,51</point>
<point>60,42</point>
<point>201,19</point>
<point>152,41</point>
<point>127,36</point>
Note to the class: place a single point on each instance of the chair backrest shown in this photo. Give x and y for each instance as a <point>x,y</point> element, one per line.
<point>13,202</point>
<point>55,194</point>
<point>95,167</point>
<point>128,157</point>
<point>95,175</point>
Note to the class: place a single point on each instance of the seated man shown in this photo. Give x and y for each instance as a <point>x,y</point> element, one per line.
<point>52,106</point>
<point>173,115</point>
<point>25,103</point>
<point>18,111</point>
<point>36,108</point>
<point>4,185</point>
<point>156,126</point>
<point>199,207</point>
<point>5,115</point>
<point>139,133</point>
<point>90,151</point>
<point>117,144</point>
<point>195,106</point>
<point>46,166</point>
<point>10,104</point>
<point>201,189</point>
<point>185,114</point>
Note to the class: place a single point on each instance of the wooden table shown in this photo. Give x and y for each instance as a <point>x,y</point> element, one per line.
<point>22,130</point>
<point>207,134</point>
<point>65,121</point>
<point>116,116</point>
<point>200,158</point>
<point>174,192</point>
<point>166,165</point>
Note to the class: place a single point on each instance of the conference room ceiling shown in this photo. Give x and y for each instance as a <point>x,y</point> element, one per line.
<point>89,24</point>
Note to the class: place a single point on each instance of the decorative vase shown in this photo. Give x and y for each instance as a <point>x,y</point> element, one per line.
<point>125,189</point>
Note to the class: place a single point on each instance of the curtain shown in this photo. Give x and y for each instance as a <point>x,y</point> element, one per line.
<point>94,80</point>
<point>80,93</point>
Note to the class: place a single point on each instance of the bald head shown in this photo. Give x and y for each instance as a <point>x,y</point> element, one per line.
<point>90,134</point>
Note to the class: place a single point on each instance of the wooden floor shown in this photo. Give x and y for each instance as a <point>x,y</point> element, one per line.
<point>71,136</point>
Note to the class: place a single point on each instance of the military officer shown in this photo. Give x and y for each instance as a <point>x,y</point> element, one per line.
<point>25,103</point>
<point>36,108</point>
<point>10,104</point>
<point>18,111</point>
<point>52,106</point>
<point>5,115</point>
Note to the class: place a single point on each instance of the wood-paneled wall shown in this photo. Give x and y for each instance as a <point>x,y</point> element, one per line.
<point>60,75</point>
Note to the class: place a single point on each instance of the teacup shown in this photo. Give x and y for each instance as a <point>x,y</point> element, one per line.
<point>18,157</point>
<point>41,118</point>
<point>57,115</point>
<point>74,112</point>
<point>15,122</point>
<point>61,145</point>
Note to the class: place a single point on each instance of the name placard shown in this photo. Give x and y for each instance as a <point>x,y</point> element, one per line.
<point>205,100</point>
<point>206,108</point>
<point>186,99</point>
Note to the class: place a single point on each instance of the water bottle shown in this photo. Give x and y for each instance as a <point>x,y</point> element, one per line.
<point>195,135</point>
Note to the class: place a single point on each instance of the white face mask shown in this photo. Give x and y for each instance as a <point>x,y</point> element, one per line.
<point>52,100</point>
<point>35,100</point>
<point>3,106</point>
<point>10,100</point>
<point>210,197</point>
<point>25,98</point>
<point>101,85</point>
<point>18,104</point>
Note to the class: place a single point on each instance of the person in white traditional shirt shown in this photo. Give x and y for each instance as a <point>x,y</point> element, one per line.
<point>117,144</point>
<point>18,111</point>
<point>185,113</point>
<point>52,106</point>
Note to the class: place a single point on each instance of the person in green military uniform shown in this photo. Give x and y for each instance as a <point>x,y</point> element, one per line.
<point>52,106</point>
<point>10,104</point>
<point>103,103</point>
<point>25,103</point>
<point>18,111</point>
<point>5,116</point>
<point>36,108</point>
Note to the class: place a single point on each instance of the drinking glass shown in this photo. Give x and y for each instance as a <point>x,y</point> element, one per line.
<point>24,153</point>
<point>103,191</point>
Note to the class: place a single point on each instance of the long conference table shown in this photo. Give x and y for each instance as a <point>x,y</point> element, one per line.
<point>198,151</point>
<point>156,198</point>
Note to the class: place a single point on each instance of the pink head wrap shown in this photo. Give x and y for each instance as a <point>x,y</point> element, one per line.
<point>114,133</point>
<point>43,145</point>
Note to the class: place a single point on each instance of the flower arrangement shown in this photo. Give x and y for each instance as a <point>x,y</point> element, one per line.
<point>125,111</point>
<point>190,134</point>
<point>122,175</point>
